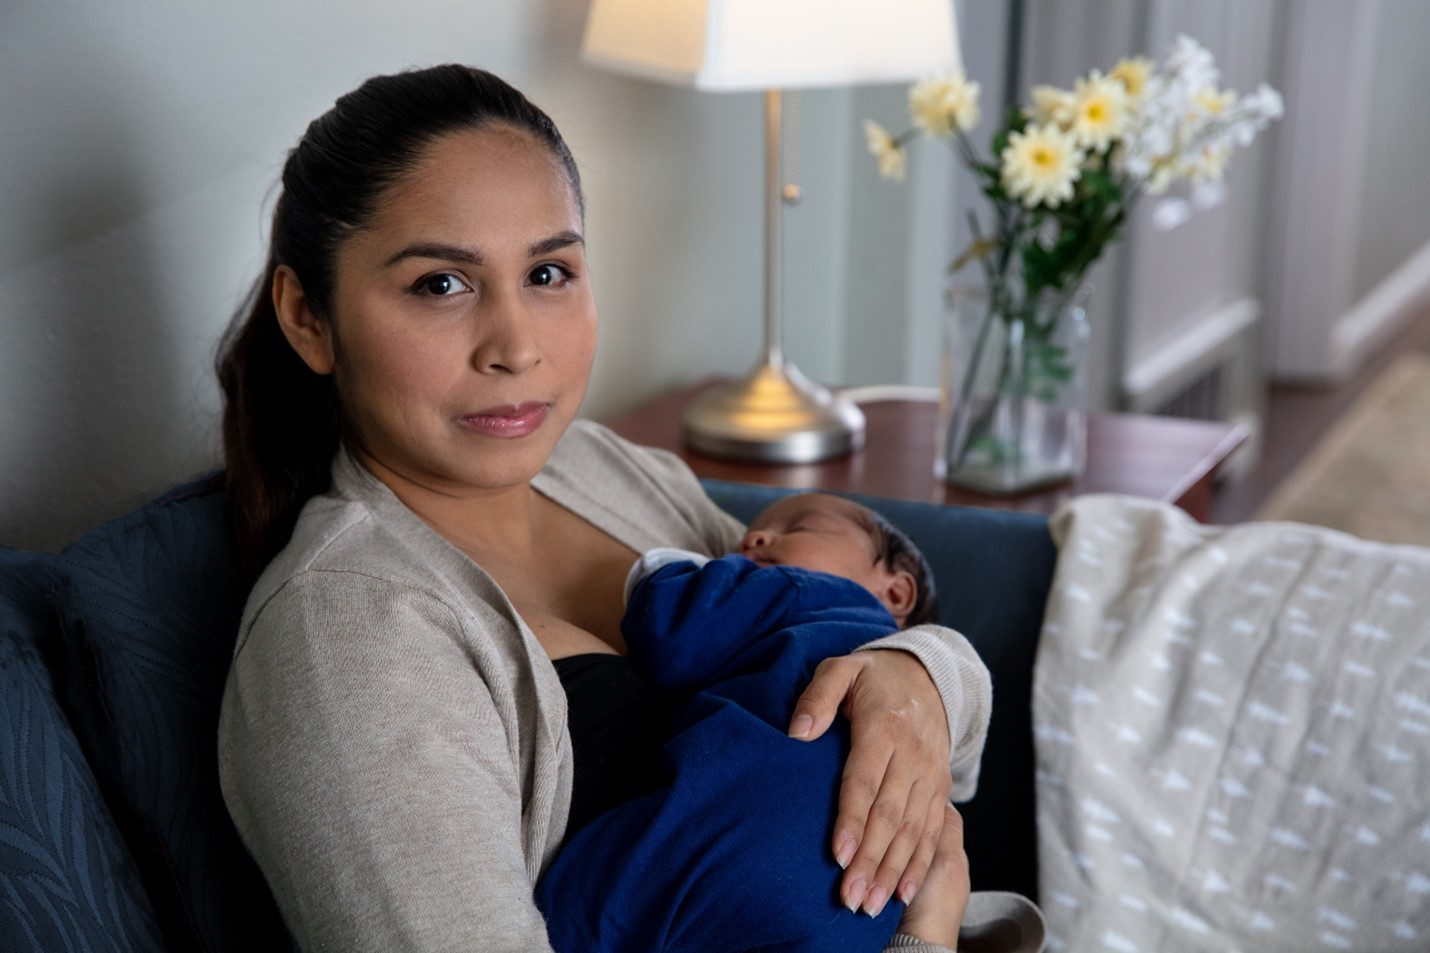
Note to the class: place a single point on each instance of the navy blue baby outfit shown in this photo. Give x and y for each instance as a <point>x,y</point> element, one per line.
<point>731,851</point>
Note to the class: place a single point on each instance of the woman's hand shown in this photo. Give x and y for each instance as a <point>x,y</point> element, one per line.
<point>896,782</point>
<point>936,914</point>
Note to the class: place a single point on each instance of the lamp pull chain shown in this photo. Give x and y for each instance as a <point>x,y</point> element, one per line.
<point>791,192</point>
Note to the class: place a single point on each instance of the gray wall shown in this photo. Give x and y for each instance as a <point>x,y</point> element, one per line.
<point>1395,195</point>
<point>141,146</point>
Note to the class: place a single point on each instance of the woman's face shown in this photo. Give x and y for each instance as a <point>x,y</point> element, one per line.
<point>463,324</point>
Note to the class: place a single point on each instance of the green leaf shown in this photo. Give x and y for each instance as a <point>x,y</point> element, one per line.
<point>990,447</point>
<point>976,251</point>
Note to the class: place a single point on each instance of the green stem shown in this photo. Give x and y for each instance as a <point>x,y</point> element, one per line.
<point>981,423</point>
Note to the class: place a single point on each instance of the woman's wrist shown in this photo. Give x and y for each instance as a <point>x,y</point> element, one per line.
<point>965,688</point>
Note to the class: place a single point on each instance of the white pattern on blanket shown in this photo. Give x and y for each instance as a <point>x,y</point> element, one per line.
<point>1232,728</point>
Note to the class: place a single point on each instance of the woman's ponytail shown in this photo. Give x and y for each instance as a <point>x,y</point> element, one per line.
<point>280,430</point>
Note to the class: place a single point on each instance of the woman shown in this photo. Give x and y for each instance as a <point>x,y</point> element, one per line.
<point>393,745</point>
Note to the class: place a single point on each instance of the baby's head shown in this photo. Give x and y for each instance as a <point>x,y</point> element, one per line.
<point>830,534</point>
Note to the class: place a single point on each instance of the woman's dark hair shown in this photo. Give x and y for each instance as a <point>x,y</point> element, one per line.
<point>894,549</point>
<point>281,420</point>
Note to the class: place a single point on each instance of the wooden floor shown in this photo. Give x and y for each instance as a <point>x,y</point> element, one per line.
<point>1296,417</point>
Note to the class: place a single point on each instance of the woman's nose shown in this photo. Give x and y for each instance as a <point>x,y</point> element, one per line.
<point>508,343</point>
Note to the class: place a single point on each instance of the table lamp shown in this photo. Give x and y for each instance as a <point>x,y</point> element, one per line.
<point>773,414</point>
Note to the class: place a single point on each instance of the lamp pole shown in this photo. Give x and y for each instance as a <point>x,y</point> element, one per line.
<point>774,414</point>
<point>774,209</point>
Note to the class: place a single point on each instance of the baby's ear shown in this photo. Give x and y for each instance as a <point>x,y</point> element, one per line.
<point>900,593</point>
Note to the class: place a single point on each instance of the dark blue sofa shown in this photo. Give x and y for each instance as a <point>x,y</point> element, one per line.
<point>113,654</point>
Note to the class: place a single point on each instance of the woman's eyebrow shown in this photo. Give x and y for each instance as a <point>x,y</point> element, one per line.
<point>436,250</point>
<point>555,243</point>
<point>468,256</point>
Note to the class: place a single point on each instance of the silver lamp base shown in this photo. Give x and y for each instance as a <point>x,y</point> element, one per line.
<point>773,415</point>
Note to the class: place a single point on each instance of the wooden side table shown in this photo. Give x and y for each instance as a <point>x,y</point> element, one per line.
<point>1163,458</point>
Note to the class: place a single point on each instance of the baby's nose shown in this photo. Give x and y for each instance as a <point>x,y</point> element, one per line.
<point>754,539</point>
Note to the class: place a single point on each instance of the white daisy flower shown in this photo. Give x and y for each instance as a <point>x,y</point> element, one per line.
<point>1161,179</point>
<point>944,104</point>
<point>1099,111</point>
<point>1133,73</point>
<point>1214,102</point>
<point>1191,63</point>
<point>1265,102</point>
<point>1206,164</point>
<point>1051,104</point>
<point>1040,165</point>
<point>886,150</point>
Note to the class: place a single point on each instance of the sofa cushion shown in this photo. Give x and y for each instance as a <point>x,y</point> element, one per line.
<point>993,569</point>
<point>1233,736</point>
<point>67,881</point>
<point>150,612</point>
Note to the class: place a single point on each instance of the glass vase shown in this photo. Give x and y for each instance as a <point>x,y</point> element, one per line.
<point>1012,399</point>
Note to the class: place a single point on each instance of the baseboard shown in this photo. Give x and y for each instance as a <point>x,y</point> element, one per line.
<point>1373,320</point>
<point>1200,344</point>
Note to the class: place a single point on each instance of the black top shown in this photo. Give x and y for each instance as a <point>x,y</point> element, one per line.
<point>618,721</point>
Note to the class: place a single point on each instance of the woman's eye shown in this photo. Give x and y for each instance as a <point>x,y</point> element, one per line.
<point>549,275</point>
<point>442,285</point>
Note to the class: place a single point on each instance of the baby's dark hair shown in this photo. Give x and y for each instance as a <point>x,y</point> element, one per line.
<point>894,549</point>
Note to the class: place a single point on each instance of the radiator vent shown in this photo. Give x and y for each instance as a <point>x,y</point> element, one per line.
<point>1205,398</point>
<point>1207,372</point>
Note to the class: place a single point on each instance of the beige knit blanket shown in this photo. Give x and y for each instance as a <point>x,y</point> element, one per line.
<point>1233,736</point>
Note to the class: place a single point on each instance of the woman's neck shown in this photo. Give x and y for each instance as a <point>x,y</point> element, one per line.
<point>471,518</point>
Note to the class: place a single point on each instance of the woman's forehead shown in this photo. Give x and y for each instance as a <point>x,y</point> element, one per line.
<point>495,174</point>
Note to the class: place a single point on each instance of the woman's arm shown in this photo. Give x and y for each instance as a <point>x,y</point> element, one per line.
<point>916,715</point>
<point>374,774</point>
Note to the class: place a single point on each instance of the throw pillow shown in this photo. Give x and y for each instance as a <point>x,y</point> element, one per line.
<point>67,881</point>
<point>150,615</point>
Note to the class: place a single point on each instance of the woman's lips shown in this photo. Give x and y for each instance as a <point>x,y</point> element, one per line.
<point>508,420</point>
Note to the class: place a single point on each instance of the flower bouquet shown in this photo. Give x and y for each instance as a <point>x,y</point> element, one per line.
<point>1065,174</point>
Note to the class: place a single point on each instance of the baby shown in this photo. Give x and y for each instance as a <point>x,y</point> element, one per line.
<point>711,859</point>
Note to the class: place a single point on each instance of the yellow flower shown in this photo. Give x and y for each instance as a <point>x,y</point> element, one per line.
<point>1099,111</point>
<point>1051,104</point>
<point>1040,165</point>
<point>1214,102</point>
<point>944,104</point>
<point>885,149</point>
<point>1133,73</point>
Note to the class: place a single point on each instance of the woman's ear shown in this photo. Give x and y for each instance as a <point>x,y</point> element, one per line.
<point>307,334</point>
<point>900,592</point>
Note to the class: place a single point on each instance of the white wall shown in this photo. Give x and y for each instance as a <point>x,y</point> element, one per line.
<point>1395,196</point>
<point>140,144</point>
<point>1349,251</point>
<point>139,148</point>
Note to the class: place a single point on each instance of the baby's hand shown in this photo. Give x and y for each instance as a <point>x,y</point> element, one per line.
<point>936,912</point>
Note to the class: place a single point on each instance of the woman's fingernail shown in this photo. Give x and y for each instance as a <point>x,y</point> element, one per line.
<point>845,853</point>
<point>907,891</point>
<point>854,894</point>
<point>876,900</point>
<point>802,726</point>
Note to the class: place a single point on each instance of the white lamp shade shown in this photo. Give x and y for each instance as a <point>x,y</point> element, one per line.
<point>772,44</point>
